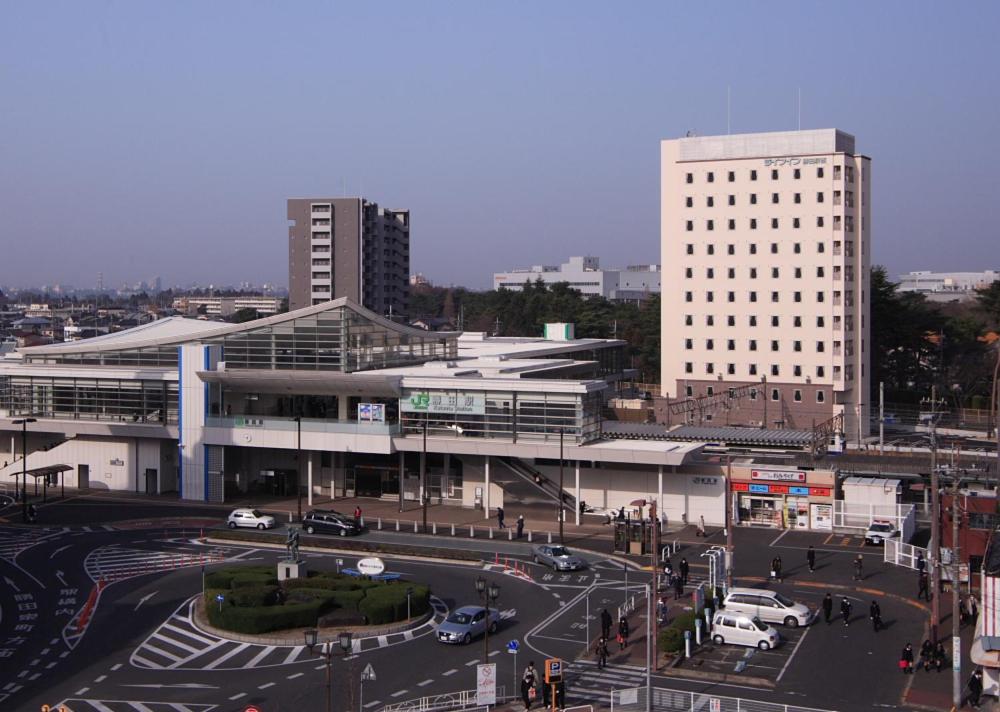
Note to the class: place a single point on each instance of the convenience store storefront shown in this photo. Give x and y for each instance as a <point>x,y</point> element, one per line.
<point>783,498</point>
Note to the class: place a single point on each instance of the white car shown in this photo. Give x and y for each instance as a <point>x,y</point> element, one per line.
<point>246,517</point>
<point>879,531</point>
<point>740,629</point>
<point>767,606</point>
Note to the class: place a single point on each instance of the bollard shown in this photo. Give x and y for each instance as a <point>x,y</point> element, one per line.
<point>453,530</point>
<point>697,630</point>
<point>529,536</point>
<point>434,527</point>
<point>687,644</point>
<point>491,532</point>
<point>510,534</point>
<point>414,526</point>
<point>397,525</point>
<point>380,523</point>
<point>289,517</point>
<point>550,537</point>
<point>708,620</point>
<point>472,532</point>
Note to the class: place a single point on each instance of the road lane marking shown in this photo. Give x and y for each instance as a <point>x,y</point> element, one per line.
<point>176,643</point>
<point>292,677</point>
<point>100,679</point>
<point>424,683</point>
<point>790,657</point>
<point>82,691</point>
<point>495,652</point>
<point>235,651</point>
<point>294,653</point>
<point>373,703</point>
<point>399,693</point>
<point>260,656</point>
<point>265,686</point>
<point>116,667</point>
<point>164,653</point>
<point>472,662</point>
<point>236,697</point>
<point>450,672</point>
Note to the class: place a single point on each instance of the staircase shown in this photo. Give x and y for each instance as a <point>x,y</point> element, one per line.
<point>529,485</point>
<point>36,459</point>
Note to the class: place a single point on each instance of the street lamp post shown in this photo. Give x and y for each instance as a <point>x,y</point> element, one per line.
<point>326,652</point>
<point>409,595</point>
<point>298,463</point>
<point>561,510</point>
<point>489,593</point>
<point>23,422</point>
<point>423,476</point>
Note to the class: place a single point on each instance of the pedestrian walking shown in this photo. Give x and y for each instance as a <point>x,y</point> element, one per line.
<point>845,610</point>
<point>621,514</point>
<point>520,525</point>
<point>605,624</point>
<point>973,605</point>
<point>939,656</point>
<point>875,613</point>
<point>500,523</point>
<point>528,685</point>
<point>975,687</point>
<point>718,598</point>
<point>921,563</point>
<point>357,515</point>
<point>684,571</point>
<point>701,526</point>
<point>776,568</point>
<point>906,660</point>
<point>827,608</point>
<point>859,564</point>
<point>678,588</point>
<point>668,570</point>
<point>923,587</point>
<point>811,558</point>
<point>926,654</point>
<point>623,631</point>
<point>601,651</point>
<point>963,611</point>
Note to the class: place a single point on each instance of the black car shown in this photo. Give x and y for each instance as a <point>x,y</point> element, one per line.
<point>320,522</point>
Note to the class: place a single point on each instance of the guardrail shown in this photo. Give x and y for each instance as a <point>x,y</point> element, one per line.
<point>463,700</point>
<point>666,700</point>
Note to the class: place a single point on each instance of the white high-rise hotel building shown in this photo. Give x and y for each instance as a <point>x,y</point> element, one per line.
<point>765,243</point>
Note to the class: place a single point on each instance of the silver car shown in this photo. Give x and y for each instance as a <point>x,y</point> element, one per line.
<point>467,623</point>
<point>558,557</point>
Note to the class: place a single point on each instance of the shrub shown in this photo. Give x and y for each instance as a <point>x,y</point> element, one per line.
<point>253,579</point>
<point>685,621</point>
<point>248,575</point>
<point>263,619</point>
<point>670,640</point>
<point>387,603</point>
<point>253,596</point>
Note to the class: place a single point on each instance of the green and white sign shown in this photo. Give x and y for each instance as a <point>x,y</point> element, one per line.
<point>444,402</point>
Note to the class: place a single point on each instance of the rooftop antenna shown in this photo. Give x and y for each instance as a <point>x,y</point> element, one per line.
<point>729,110</point>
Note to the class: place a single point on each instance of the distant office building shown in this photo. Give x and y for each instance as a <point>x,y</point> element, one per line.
<point>947,286</point>
<point>227,306</point>
<point>348,247</point>
<point>766,239</point>
<point>633,283</point>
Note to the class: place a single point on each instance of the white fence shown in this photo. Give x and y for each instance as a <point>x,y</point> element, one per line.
<point>903,554</point>
<point>664,700</point>
<point>855,518</point>
<point>464,700</point>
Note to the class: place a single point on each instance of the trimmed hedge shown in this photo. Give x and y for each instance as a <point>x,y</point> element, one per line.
<point>387,603</point>
<point>236,576</point>
<point>671,638</point>
<point>253,596</point>
<point>264,619</point>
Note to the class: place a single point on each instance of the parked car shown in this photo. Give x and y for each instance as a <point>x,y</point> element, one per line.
<point>879,531</point>
<point>466,623</point>
<point>740,629</point>
<point>246,517</point>
<point>323,522</point>
<point>558,557</point>
<point>767,606</point>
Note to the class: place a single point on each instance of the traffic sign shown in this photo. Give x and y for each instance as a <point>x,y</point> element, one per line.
<point>220,598</point>
<point>251,708</point>
<point>513,646</point>
<point>368,674</point>
<point>553,670</point>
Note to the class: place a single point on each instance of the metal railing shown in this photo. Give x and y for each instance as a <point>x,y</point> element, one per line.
<point>666,700</point>
<point>463,700</point>
<point>309,425</point>
<point>903,554</point>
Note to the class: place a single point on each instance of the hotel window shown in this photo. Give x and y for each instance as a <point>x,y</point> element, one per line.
<point>753,372</point>
<point>711,249</point>
<point>732,200</point>
<point>710,272</point>
<point>774,198</point>
<point>797,296</point>
<point>820,397</point>
<point>753,320</point>
<point>690,178</point>
<point>731,248</point>
<point>819,172</point>
<point>797,395</point>
<point>710,344</point>
<point>753,199</point>
<point>753,296</point>
<point>820,322</point>
<point>798,197</point>
<point>836,222</point>
<point>732,176</point>
<point>690,225</point>
<point>753,223</point>
<point>732,226</point>
<point>820,247</point>
<point>689,390</point>
<point>688,272</point>
<point>690,248</point>
<point>836,172</point>
<point>775,321</point>
<point>850,174</point>
<point>775,370</point>
<point>709,320</point>
<point>753,248</point>
<point>775,272</point>
<point>731,320</point>
<point>819,221</point>
<point>796,346</point>
<point>820,346</point>
<point>820,371</point>
<point>774,223</point>
<point>709,296</point>
<point>709,368</point>
<point>753,175</point>
<point>709,390</point>
<point>732,273</point>
<point>732,296</point>
<point>795,222</point>
<point>798,271</point>
<point>731,369</point>
<point>774,174</point>
<point>753,391</point>
<point>775,393</point>
<point>753,344</point>
<point>688,296</point>
<point>797,371</point>
<point>797,174</point>
<point>689,202</point>
<point>819,272</point>
<point>731,345</point>
<point>688,368</point>
<point>688,320</point>
<point>688,344</point>
<point>711,177</point>
<point>710,225</point>
<point>774,345</point>
<point>820,297</point>
<point>797,321</point>
<point>819,197</point>
<point>710,201</point>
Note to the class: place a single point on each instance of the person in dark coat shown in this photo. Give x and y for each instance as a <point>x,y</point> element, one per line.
<point>500,515</point>
<point>906,660</point>
<point>678,587</point>
<point>776,568</point>
<point>845,610</point>
<point>921,563</point>
<point>926,654</point>
<point>859,564</point>
<point>605,624</point>
<point>975,688</point>
<point>940,656</point>
<point>827,608</point>
<point>528,682</point>
<point>623,632</point>
<point>923,587</point>
<point>520,525</point>
<point>875,613</point>
<point>601,651</point>
<point>684,568</point>
<point>811,558</point>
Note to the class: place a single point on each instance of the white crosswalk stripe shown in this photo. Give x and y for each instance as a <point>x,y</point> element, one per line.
<point>94,705</point>
<point>587,682</point>
<point>178,645</point>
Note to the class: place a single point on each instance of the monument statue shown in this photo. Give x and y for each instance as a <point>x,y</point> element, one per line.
<point>292,544</point>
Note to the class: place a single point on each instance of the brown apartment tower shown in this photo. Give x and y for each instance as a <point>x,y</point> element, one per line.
<point>348,247</point>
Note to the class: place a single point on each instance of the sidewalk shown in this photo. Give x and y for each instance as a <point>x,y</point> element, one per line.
<point>933,690</point>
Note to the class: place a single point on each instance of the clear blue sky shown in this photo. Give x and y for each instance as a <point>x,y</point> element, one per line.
<point>162,138</point>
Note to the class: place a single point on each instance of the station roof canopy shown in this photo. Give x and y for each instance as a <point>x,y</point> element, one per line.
<point>44,471</point>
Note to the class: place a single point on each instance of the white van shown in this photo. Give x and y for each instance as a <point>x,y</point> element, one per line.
<point>739,629</point>
<point>768,606</point>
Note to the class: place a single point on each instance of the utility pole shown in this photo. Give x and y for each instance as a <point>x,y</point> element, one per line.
<point>652,654</point>
<point>956,586</point>
<point>935,525</point>
<point>423,475</point>
<point>561,510</point>
<point>881,418</point>
<point>729,524</point>
<point>763,380</point>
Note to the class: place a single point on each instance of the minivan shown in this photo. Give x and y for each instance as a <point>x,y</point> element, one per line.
<point>768,606</point>
<point>740,629</point>
<point>320,522</point>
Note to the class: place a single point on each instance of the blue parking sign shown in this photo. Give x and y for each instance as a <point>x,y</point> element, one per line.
<point>513,646</point>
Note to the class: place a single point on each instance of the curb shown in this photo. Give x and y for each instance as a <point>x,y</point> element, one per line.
<point>677,672</point>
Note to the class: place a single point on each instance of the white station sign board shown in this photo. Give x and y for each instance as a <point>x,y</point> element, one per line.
<point>371,567</point>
